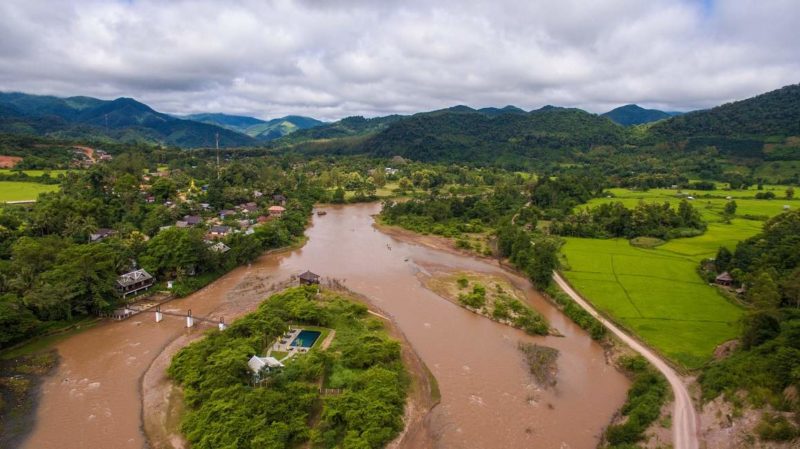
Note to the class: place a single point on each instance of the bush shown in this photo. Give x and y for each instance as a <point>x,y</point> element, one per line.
<point>773,427</point>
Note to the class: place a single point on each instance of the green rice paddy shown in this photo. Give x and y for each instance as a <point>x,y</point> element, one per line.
<point>656,293</point>
<point>23,191</point>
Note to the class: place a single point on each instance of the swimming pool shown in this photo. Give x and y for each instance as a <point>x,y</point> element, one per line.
<point>305,339</point>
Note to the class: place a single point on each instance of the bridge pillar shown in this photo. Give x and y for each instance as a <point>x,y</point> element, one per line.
<point>189,319</point>
<point>222,325</point>
<point>159,315</point>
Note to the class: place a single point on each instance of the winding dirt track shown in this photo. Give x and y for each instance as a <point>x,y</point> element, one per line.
<point>684,418</point>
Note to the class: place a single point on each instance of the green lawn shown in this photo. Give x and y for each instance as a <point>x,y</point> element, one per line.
<point>23,191</point>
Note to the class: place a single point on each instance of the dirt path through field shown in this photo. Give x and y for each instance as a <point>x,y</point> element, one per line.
<point>684,417</point>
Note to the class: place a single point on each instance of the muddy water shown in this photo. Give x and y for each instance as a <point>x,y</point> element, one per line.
<point>488,400</point>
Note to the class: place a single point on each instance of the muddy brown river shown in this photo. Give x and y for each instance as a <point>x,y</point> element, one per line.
<point>94,399</point>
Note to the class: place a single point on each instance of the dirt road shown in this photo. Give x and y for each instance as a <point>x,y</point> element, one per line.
<point>684,418</point>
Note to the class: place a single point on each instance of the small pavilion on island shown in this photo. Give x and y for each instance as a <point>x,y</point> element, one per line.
<point>308,278</point>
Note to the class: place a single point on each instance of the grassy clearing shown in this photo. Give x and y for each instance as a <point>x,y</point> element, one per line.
<point>34,173</point>
<point>655,293</point>
<point>23,191</point>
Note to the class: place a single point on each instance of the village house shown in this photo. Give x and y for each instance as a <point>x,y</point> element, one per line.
<point>193,220</point>
<point>244,224</point>
<point>390,171</point>
<point>226,213</point>
<point>308,278</point>
<point>262,219</point>
<point>250,207</point>
<point>724,279</point>
<point>276,211</point>
<point>220,231</point>
<point>279,199</point>
<point>261,365</point>
<point>257,194</point>
<point>181,224</point>
<point>134,281</point>
<point>101,234</point>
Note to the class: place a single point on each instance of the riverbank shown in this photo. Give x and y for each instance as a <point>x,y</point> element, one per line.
<point>616,350</point>
<point>423,393</point>
<point>163,406</point>
<point>488,295</point>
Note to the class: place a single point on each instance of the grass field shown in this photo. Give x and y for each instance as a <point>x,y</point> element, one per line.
<point>35,173</point>
<point>656,292</point>
<point>23,191</point>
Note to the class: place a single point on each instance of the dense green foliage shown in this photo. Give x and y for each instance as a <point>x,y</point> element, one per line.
<point>645,220</point>
<point>227,410</point>
<point>767,365</point>
<point>472,136</point>
<point>645,398</point>
<point>452,215</point>
<point>769,114</point>
<point>49,269</point>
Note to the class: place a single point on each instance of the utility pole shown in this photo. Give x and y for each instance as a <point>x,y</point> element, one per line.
<point>217,135</point>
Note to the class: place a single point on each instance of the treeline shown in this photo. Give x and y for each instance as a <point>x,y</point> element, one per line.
<point>645,220</point>
<point>767,364</point>
<point>451,215</point>
<point>286,409</point>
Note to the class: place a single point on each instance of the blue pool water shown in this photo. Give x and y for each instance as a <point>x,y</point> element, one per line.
<point>306,338</point>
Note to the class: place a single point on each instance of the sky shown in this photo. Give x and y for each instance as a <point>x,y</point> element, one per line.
<point>330,59</point>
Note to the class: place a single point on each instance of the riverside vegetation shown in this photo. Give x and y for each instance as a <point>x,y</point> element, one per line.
<point>225,409</point>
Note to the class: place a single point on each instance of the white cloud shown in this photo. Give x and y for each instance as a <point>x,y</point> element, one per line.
<point>331,59</point>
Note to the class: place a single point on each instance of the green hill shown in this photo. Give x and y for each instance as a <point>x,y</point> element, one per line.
<point>635,115</point>
<point>775,113</point>
<point>123,120</point>
<point>473,136</point>
<point>346,127</point>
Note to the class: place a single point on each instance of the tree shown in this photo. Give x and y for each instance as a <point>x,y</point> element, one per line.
<point>759,327</point>
<point>790,193</point>
<point>338,195</point>
<point>730,208</point>
<point>723,259</point>
<point>174,251</point>
<point>763,293</point>
<point>16,321</point>
<point>791,287</point>
<point>163,189</point>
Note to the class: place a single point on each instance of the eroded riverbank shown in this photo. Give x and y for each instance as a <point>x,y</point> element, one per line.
<point>488,399</point>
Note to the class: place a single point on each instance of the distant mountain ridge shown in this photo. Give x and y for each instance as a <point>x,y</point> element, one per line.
<point>633,114</point>
<point>122,119</point>
<point>458,133</point>
<point>263,130</point>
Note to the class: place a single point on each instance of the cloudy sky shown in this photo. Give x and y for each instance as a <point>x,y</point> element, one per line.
<point>330,59</point>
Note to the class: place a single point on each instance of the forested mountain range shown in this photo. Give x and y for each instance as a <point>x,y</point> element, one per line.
<point>123,120</point>
<point>757,128</point>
